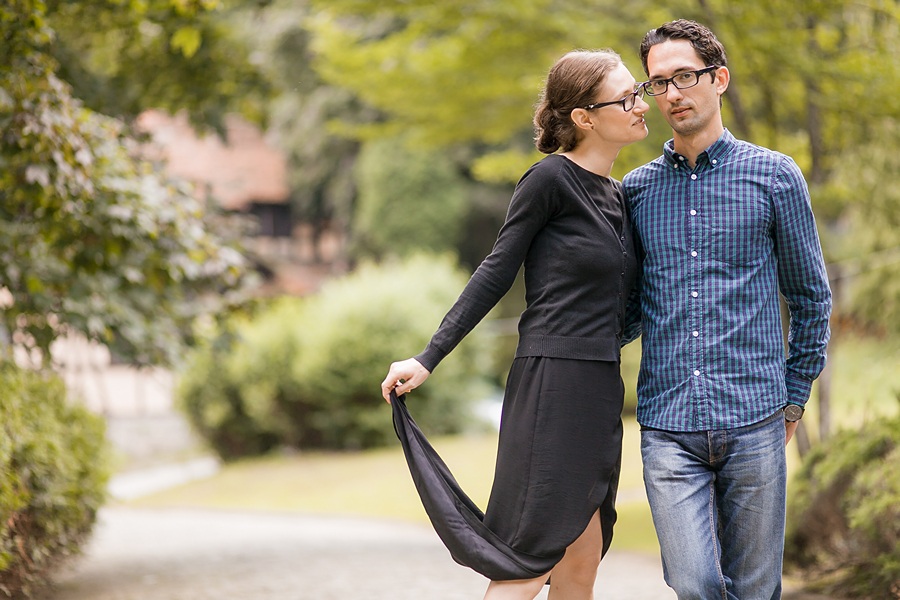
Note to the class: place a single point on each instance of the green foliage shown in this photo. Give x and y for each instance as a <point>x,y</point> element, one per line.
<point>408,200</point>
<point>53,465</point>
<point>300,107</point>
<point>91,238</point>
<point>844,512</point>
<point>468,72</point>
<point>306,372</point>
<point>124,57</point>
<point>870,254</point>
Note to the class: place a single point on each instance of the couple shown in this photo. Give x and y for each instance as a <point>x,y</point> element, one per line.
<point>691,251</point>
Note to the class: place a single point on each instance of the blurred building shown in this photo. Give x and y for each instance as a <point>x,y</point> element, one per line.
<point>246,173</point>
<point>243,173</point>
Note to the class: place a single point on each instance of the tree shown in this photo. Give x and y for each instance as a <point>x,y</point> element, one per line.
<point>408,200</point>
<point>92,238</point>
<point>299,108</point>
<point>461,73</point>
<point>121,57</point>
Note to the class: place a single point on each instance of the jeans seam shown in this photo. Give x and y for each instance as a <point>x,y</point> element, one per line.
<point>715,539</point>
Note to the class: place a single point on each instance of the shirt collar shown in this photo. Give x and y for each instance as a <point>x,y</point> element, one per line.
<point>714,154</point>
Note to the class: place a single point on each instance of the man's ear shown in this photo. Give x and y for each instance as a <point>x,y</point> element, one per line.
<point>723,77</point>
<point>582,119</point>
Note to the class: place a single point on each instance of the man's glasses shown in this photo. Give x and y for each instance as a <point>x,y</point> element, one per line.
<point>627,102</point>
<point>688,79</point>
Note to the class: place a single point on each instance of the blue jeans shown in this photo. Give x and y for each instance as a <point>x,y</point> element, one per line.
<point>718,504</point>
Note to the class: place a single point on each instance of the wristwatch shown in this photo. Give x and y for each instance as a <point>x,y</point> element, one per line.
<point>793,412</point>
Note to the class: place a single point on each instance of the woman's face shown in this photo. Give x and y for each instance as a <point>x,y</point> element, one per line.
<point>615,124</point>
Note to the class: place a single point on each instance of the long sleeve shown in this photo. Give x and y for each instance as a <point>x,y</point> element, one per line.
<point>803,281</point>
<point>528,212</point>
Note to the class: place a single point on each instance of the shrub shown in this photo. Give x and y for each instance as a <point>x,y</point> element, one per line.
<point>418,192</point>
<point>844,515</point>
<point>53,462</point>
<point>235,387</point>
<point>306,372</point>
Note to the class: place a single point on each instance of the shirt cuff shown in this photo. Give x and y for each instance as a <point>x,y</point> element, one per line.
<point>798,389</point>
<point>430,357</point>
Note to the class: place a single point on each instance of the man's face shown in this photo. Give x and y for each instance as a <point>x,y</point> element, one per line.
<point>692,110</point>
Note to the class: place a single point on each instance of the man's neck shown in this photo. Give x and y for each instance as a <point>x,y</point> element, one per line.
<point>691,146</point>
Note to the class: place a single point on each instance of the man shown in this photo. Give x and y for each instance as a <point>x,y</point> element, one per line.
<point>725,225</point>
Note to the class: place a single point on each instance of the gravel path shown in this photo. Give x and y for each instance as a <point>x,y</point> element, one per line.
<point>198,555</point>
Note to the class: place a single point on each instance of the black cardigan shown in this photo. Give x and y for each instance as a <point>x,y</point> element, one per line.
<point>570,228</point>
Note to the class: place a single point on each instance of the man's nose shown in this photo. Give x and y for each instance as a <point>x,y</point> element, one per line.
<point>673,93</point>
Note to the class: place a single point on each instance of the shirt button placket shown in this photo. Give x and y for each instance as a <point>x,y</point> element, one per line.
<point>694,270</point>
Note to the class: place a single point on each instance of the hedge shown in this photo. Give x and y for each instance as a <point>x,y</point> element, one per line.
<point>306,372</point>
<point>54,475</point>
<point>844,513</point>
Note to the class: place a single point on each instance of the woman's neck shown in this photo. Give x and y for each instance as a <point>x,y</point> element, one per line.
<point>597,160</point>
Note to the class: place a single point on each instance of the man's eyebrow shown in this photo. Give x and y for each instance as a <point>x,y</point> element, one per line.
<point>675,72</point>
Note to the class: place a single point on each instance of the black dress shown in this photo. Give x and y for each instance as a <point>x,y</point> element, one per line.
<point>561,431</point>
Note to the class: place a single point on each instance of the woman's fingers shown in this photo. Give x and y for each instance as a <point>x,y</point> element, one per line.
<point>403,377</point>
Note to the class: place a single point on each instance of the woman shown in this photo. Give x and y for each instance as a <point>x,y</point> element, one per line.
<point>561,432</point>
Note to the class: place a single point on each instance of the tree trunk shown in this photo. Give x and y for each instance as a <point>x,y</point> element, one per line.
<point>818,173</point>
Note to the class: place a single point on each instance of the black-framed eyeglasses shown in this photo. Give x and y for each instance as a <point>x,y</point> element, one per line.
<point>627,102</point>
<point>682,81</point>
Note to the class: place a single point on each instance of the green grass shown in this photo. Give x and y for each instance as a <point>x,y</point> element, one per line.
<point>377,484</point>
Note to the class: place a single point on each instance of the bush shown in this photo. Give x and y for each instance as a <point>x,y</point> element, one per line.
<point>306,373</point>
<point>53,462</point>
<point>844,515</point>
<point>410,200</point>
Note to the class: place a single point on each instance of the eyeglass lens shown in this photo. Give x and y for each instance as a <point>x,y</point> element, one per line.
<point>685,80</point>
<point>629,100</point>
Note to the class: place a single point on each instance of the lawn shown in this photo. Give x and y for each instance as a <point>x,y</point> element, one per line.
<point>376,483</point>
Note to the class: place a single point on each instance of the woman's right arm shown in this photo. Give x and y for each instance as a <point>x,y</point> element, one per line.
<point>529,211</point>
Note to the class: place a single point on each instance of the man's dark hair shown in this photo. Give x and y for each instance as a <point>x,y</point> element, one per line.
<point>704,41</point>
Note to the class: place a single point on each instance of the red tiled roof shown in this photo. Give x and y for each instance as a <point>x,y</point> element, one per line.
<point>246,169</point>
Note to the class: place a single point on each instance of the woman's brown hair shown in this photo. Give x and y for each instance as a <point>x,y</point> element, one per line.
<point>573,81</point>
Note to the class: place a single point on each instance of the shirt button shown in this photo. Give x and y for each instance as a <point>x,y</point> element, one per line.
<point>694,294</point>
<point>696,373</point>
<point>694,176</point>
<point>693,253</point>
<point>693,212</point>
<point>695,333</point>
<point>715,161</point>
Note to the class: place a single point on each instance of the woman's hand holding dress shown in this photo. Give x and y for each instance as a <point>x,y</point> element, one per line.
<point>403,377</point>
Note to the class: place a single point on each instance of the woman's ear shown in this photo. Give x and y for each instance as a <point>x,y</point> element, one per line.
<point>582,119</point>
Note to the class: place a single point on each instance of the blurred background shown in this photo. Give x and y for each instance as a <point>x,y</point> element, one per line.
<point>222,220</point>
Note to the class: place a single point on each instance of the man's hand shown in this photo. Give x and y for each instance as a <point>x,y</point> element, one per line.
<point>790,428</point>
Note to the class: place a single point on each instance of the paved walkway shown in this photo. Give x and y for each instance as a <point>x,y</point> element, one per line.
<point>141,554</point>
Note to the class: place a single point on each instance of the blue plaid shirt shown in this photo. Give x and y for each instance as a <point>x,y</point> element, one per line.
<point>719,242</point>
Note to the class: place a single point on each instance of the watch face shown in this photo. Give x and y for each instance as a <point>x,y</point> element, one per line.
<point>792,412</point>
